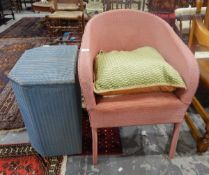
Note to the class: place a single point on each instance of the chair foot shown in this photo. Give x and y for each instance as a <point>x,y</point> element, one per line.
<point>94,145</point>
<point>176,131</point>
<point>203,142</point>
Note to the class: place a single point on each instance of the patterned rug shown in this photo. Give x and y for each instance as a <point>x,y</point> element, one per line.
<point>10,52</point>
<point>22,159</point>
<point>27,27</point>
<point>10,117</point>
<point>109,141</point>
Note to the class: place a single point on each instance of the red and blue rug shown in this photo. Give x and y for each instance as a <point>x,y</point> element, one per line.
<point>22,159</point>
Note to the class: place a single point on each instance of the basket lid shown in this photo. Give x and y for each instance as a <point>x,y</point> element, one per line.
<point>46,65</point>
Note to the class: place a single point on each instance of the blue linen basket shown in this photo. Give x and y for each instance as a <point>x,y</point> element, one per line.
<point>47,91</point>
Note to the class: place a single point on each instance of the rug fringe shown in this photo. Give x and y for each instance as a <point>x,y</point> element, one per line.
<point>64,165</point>
<point>12,130</point>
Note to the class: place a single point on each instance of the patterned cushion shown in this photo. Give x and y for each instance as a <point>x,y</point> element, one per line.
<point>140,70</point>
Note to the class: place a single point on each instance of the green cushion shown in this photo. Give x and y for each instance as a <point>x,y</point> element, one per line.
<point>119,72</point>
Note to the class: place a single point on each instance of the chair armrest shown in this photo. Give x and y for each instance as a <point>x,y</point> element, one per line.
<point>201,32</point>
<point>180,57</point>
<point>191,78</point>
<point>85,69</point>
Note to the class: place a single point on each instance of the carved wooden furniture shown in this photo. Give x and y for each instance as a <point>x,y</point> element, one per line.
<point>164,9</point>
<point>184,18</point>
<point>25,2</point>
<point>17,5</point>
<point>67,16</point>
<point>200,33</point>
<point>128,30</point>
<point>6,9</point>
<point>42,7</point>
<point>68,5</point>
<point>121,4</point>
<point>49,7</point>
<point>94,7</point>
<point>187,3</point>
<point>161,6</point>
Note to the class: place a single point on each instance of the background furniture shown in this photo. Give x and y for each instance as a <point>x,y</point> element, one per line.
<point>42,7</point>
<point>200,35</point>
<point>121,4</point>
<point>129,30</point>
<point>161,6</point>
<point>68,16</point>
<point>47,91</point>
<point>25,2</point>
<point>17,5</point>
<point>49,7</point>
<point>94,7</point>
<point>164,9</point>
<point>68,5</point>
<point>6,9</point>
<point>184,18</point>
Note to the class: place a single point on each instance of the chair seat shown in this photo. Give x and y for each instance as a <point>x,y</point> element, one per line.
<point>92,6</point>
<point>145,108</point>
<point>188,11</point>
<point>67,6</point>
<point>61,6</point>
<point>200,51</point>
<point>66,15</point>
<point>201,55</point>
<point>40,4</point>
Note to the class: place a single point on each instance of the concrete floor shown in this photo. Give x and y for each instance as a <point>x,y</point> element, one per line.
<point>145,149</point>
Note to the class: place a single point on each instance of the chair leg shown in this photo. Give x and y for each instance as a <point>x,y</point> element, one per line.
<point>176,131</point>
<point>201,140</point>
<point>94,145</point>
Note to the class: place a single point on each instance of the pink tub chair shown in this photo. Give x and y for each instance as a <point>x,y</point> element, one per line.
<point>128,30</point>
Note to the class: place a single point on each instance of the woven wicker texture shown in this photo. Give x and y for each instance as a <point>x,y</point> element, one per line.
<point>66,14</point>
<point>68,6</point>
<point>51,65</point>
<point>48,97</point>
<point>61,6</point>
<point>121,71</point>
<point>128,30</point>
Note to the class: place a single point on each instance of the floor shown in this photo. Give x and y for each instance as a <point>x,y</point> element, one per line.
<point>145,149</point>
